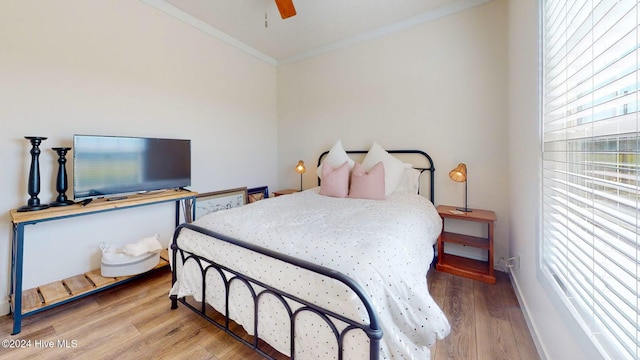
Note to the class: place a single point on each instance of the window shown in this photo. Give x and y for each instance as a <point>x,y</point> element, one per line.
<point>590,177</point>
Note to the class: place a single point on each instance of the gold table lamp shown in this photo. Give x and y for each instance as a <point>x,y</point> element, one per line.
<point>459,174</point>
<point>300,169</point>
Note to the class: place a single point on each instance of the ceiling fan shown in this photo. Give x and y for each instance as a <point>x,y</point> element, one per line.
<point>286,8</point>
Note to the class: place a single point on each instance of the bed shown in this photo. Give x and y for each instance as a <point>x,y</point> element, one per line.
<point>315,276</point>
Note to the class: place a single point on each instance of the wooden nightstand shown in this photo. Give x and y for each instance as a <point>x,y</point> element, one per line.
<point>284,192</point>
<point>458,265</point>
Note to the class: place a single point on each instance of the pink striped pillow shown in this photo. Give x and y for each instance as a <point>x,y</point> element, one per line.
<point>367,185</point>
<point>335,182</point>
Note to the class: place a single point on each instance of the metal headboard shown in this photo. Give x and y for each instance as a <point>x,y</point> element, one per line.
<point>430,168</point>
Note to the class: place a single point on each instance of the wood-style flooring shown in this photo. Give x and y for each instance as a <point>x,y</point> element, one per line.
<point>134,321</point>
<point>486,320</point>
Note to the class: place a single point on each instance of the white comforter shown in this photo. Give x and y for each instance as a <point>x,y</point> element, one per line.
<point>386,246</point>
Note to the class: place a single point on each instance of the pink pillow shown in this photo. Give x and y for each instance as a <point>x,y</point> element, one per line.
<point>393,167</point>
<point>367,185</point>
<point>335,182</point>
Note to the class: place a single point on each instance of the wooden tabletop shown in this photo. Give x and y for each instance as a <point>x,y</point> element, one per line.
<point>474,215</point>
<point>285,192</point>
<point>98,205</point>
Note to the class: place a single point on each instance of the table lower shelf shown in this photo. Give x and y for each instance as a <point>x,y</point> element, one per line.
<point>469,268</point>
<point>58,292</point>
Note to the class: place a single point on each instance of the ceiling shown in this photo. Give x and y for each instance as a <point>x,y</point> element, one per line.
<point>319,26</point>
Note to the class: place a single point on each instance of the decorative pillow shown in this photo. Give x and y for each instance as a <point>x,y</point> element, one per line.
<point>336,157</point>
<point>335,182</point>
<point>367,185</point>
<point>393,168</point>
<point>410,181</point>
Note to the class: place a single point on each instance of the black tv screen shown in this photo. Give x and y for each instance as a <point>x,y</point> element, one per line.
<point>115,165</point>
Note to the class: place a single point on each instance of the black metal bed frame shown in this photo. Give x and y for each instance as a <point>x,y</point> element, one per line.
<point>429,167</point>
<point>372,330</point>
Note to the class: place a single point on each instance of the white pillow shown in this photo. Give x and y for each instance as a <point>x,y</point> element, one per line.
<point>393,168</point>
<point>410,181</point>
<point>336,157</point>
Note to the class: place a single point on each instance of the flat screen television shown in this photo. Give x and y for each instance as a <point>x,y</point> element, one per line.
<point>116,165</point>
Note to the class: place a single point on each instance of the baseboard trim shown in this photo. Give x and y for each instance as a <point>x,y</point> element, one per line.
<point>5,309</point>
<point>525,312</point>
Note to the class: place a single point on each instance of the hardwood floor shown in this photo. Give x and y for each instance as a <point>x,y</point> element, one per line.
<point>486,320</point>
<point>133,321</point>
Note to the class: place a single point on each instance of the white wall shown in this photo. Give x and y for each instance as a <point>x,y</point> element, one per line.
<point>439,87</point>
<point>121,67</point>
<point>558,335</point>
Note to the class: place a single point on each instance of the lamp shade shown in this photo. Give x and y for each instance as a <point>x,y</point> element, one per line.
<point>300,168</point>
<point>459,174</point>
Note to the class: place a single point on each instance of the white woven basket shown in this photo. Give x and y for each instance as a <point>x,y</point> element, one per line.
<point>119,264</point>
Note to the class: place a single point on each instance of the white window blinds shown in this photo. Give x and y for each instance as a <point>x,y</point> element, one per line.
<point>590,244</point>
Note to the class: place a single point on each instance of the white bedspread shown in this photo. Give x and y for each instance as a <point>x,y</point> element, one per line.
<point>386,246</point>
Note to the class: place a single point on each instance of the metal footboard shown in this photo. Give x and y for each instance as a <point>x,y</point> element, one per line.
<point>371,330</point>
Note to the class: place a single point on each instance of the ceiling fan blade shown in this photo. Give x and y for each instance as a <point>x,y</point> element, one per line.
<point>286,8</point>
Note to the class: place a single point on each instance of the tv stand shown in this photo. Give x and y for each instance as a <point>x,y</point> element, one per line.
<point>32,301</point>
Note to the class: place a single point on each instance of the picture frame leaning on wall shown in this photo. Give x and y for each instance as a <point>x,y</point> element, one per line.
<point>257,194</point>
<point>220,200</point>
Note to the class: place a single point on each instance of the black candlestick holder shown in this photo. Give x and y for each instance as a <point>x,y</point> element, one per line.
<point>34,176</point>
<point>61,179</point>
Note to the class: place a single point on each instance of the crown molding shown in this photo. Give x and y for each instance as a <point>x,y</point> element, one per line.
<point>420,19</point>
<point>208,29</point>
<point>443,11</point>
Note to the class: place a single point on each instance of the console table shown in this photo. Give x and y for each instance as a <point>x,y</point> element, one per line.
<point>81,285</point>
